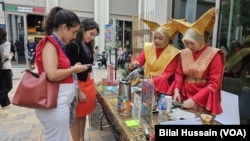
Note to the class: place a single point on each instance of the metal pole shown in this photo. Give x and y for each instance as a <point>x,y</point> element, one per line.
<point>116,67</point>
<point>230,24</point>
<point>109,56</point>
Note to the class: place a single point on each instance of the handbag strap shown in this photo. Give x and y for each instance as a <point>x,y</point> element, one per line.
<point>75,80</point>
<point>4,61</point>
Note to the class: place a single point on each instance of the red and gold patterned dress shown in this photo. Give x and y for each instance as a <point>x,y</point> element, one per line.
<point>199,76</point>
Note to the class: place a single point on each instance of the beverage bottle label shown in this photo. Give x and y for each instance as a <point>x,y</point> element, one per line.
<point>162,106</point>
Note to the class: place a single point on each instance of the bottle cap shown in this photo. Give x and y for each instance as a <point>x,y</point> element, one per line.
<point>162,96</point>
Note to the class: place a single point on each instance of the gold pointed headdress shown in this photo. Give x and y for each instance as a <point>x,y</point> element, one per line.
<point>169,27</point>
<point>204,24</point>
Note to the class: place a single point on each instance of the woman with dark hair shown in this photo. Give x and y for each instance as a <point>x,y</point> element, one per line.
<point>61,26</point>
<point>5,71</point>
<point>84,47</point>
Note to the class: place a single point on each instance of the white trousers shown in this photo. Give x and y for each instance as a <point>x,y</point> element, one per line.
<point>56,121</point>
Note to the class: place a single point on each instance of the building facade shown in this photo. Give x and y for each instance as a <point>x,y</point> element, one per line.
<point>24,18</point>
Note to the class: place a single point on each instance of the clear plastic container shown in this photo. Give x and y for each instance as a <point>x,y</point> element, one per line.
<point>162,106</point>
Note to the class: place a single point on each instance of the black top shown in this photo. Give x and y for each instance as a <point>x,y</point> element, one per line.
<point>76,52</point>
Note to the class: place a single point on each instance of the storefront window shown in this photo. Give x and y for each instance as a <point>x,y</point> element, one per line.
<point>123,33</point>
<point>16,33</point>
<point>234,34</point>
<point>190,10</point>
<point>34,27</point>
<point>234,25</point>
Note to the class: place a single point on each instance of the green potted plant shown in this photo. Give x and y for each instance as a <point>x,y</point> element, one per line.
<point>125,72</point>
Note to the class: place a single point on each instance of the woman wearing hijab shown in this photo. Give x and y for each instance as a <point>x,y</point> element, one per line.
<point>159,57</point>
<point>199,74</point>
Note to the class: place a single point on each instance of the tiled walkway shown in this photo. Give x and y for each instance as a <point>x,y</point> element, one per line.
<point>21,124</point>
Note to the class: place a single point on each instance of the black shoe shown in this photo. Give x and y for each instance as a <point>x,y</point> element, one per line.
<point>5,102</point>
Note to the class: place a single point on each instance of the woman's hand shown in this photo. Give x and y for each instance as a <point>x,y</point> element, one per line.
<point>11,54</point>
<point>133,65</point>
<point>82,97</point>
<point>78,67</point>
<point>189,103</point>
<point>177,96</point>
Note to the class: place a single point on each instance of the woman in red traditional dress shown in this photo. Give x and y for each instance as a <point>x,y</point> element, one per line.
<point>199,74</point>
<point>159,57</point>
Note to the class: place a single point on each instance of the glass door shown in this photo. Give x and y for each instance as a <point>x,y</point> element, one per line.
<point>16,29</point>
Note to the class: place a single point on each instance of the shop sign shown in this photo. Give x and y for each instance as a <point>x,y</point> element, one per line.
<point>108,37</point>
<point>2,17</point>
<point>38,10</point>
<point>24,9</point>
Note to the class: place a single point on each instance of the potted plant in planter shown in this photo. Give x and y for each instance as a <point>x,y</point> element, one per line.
<point>133,76</point>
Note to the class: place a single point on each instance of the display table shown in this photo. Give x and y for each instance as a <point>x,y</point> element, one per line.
<point>117,122</point>
<point>120,130</point>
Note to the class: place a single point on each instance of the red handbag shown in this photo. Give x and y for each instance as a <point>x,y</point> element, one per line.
<point>36,91</point>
